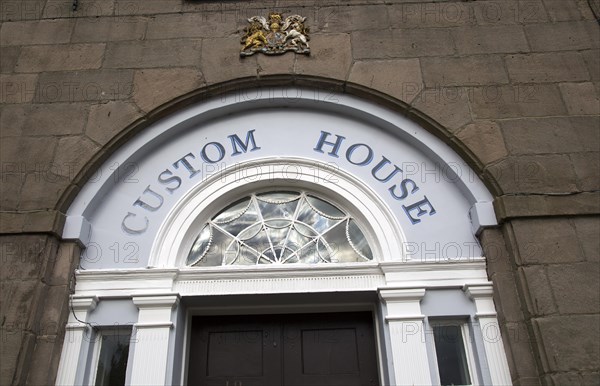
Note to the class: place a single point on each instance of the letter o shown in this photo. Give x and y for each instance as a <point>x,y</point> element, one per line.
<point>219,148</point>
<point>351,150</point>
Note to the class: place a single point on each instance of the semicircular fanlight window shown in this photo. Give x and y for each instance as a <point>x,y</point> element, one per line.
<point>279,227</point>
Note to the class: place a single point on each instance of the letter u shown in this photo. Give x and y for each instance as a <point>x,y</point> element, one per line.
<point>384,161</point>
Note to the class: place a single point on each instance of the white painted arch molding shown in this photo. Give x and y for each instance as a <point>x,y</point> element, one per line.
<point>155,181</point>
<point>184,222</point>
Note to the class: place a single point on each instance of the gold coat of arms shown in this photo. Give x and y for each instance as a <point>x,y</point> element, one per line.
<point>275,35</point>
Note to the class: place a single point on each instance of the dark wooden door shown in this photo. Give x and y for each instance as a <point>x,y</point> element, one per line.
<point>291,350</point>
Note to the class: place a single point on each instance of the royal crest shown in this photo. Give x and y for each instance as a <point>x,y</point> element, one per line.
<point>275,35</point>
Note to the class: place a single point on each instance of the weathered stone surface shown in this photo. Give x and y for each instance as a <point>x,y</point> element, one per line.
<point>18,301</point>
<point>45,360</point>
<point>372,44</point>
<point>146,7</point>
<point>449,106</point>
<point>27,153</point>
<point>55,9</point>
<point>400,78</point>
<point>351,18</point>
<point>509,12</point>
<point>23,257</point>
<point>484,139</point>
<point>56,307</point>
<point>587,169</point>
<point>580,98</point>
<point>191,25</point>
<point>571,35</point>
<point>108,119</point>
<point>155,87</point>
<point>576,287</point>
<point>485,40</point>
<point>564,10</point>
<point>55,119</point>
<point>430,14</point>
<point>43,221</point>
<point>544,174</point>
<point>399,43</point>
<point>570,378</point>
<point>495,250</point>
<point>519,206</point>
<point>537,290</point>
<point>110,29</point>
<point>23,33</point>
<point>506,297</point>
<point>10,188</point>
<point>420,42</point>
<point>17,88</point>
<point>9,58</point>
<point>463,71</point>
<point>546,241</point>
<point>527,100</point>
<point>588,229</point>
<point>330,55</point>
<point>65,260</point>
<point>282,64</point>
<point>9,350</point>
<point>153,53</point>
<point>220,60</point>
<point>592,59</point>
<point>42,190</point>
<point>590,378</point>
<point>78,86</point>
<point>22,10</point>
<point>73,152</point>
<point>586,130</point>
<point>60,58</point>
<point>563,352</point>
<point>520,355</point>
<point>12,119</point>
<point>540,135</point>
<point>36,221</point>
<point>546,67</point>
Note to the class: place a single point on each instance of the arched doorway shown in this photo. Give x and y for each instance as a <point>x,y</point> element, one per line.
<point>390,194</point>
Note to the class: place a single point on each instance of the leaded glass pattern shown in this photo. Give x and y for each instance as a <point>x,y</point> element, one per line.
<point>280,227</point>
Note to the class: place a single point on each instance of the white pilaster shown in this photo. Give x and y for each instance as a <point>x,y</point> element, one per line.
<point>77,340</point>
<point>407,334</point>
<point>490,330</point>
<point>152,330</point>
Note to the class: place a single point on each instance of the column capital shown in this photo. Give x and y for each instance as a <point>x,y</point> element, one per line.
<point>168,300</point>
<point>391,294</point>
<point>84,303</point>
<point>478,291</point>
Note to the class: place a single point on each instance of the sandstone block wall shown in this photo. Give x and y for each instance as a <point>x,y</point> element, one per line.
<point>513,86</point>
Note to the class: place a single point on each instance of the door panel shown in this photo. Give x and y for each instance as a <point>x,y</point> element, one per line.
<point>334,349</point>
<point>291,349</point>
<point>234,351</point>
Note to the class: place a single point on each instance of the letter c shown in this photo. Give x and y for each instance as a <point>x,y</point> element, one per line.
<point>134,231</point>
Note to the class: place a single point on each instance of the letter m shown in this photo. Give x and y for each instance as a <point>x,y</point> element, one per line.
<point>236,141</point>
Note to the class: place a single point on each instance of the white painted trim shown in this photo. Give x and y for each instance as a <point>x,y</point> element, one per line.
<point>293,278</point>
<point>183,223</point>
<point>75,345</point>
<point>150,356</point>
<point>407,335</point>
<point>482,216</point>
<point>77,228</point>
<point>490,330</point>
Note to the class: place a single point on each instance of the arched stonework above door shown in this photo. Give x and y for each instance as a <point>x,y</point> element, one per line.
<point>427,201</point>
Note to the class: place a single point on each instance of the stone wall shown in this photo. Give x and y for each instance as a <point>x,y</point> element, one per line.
<point>513,86</point>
